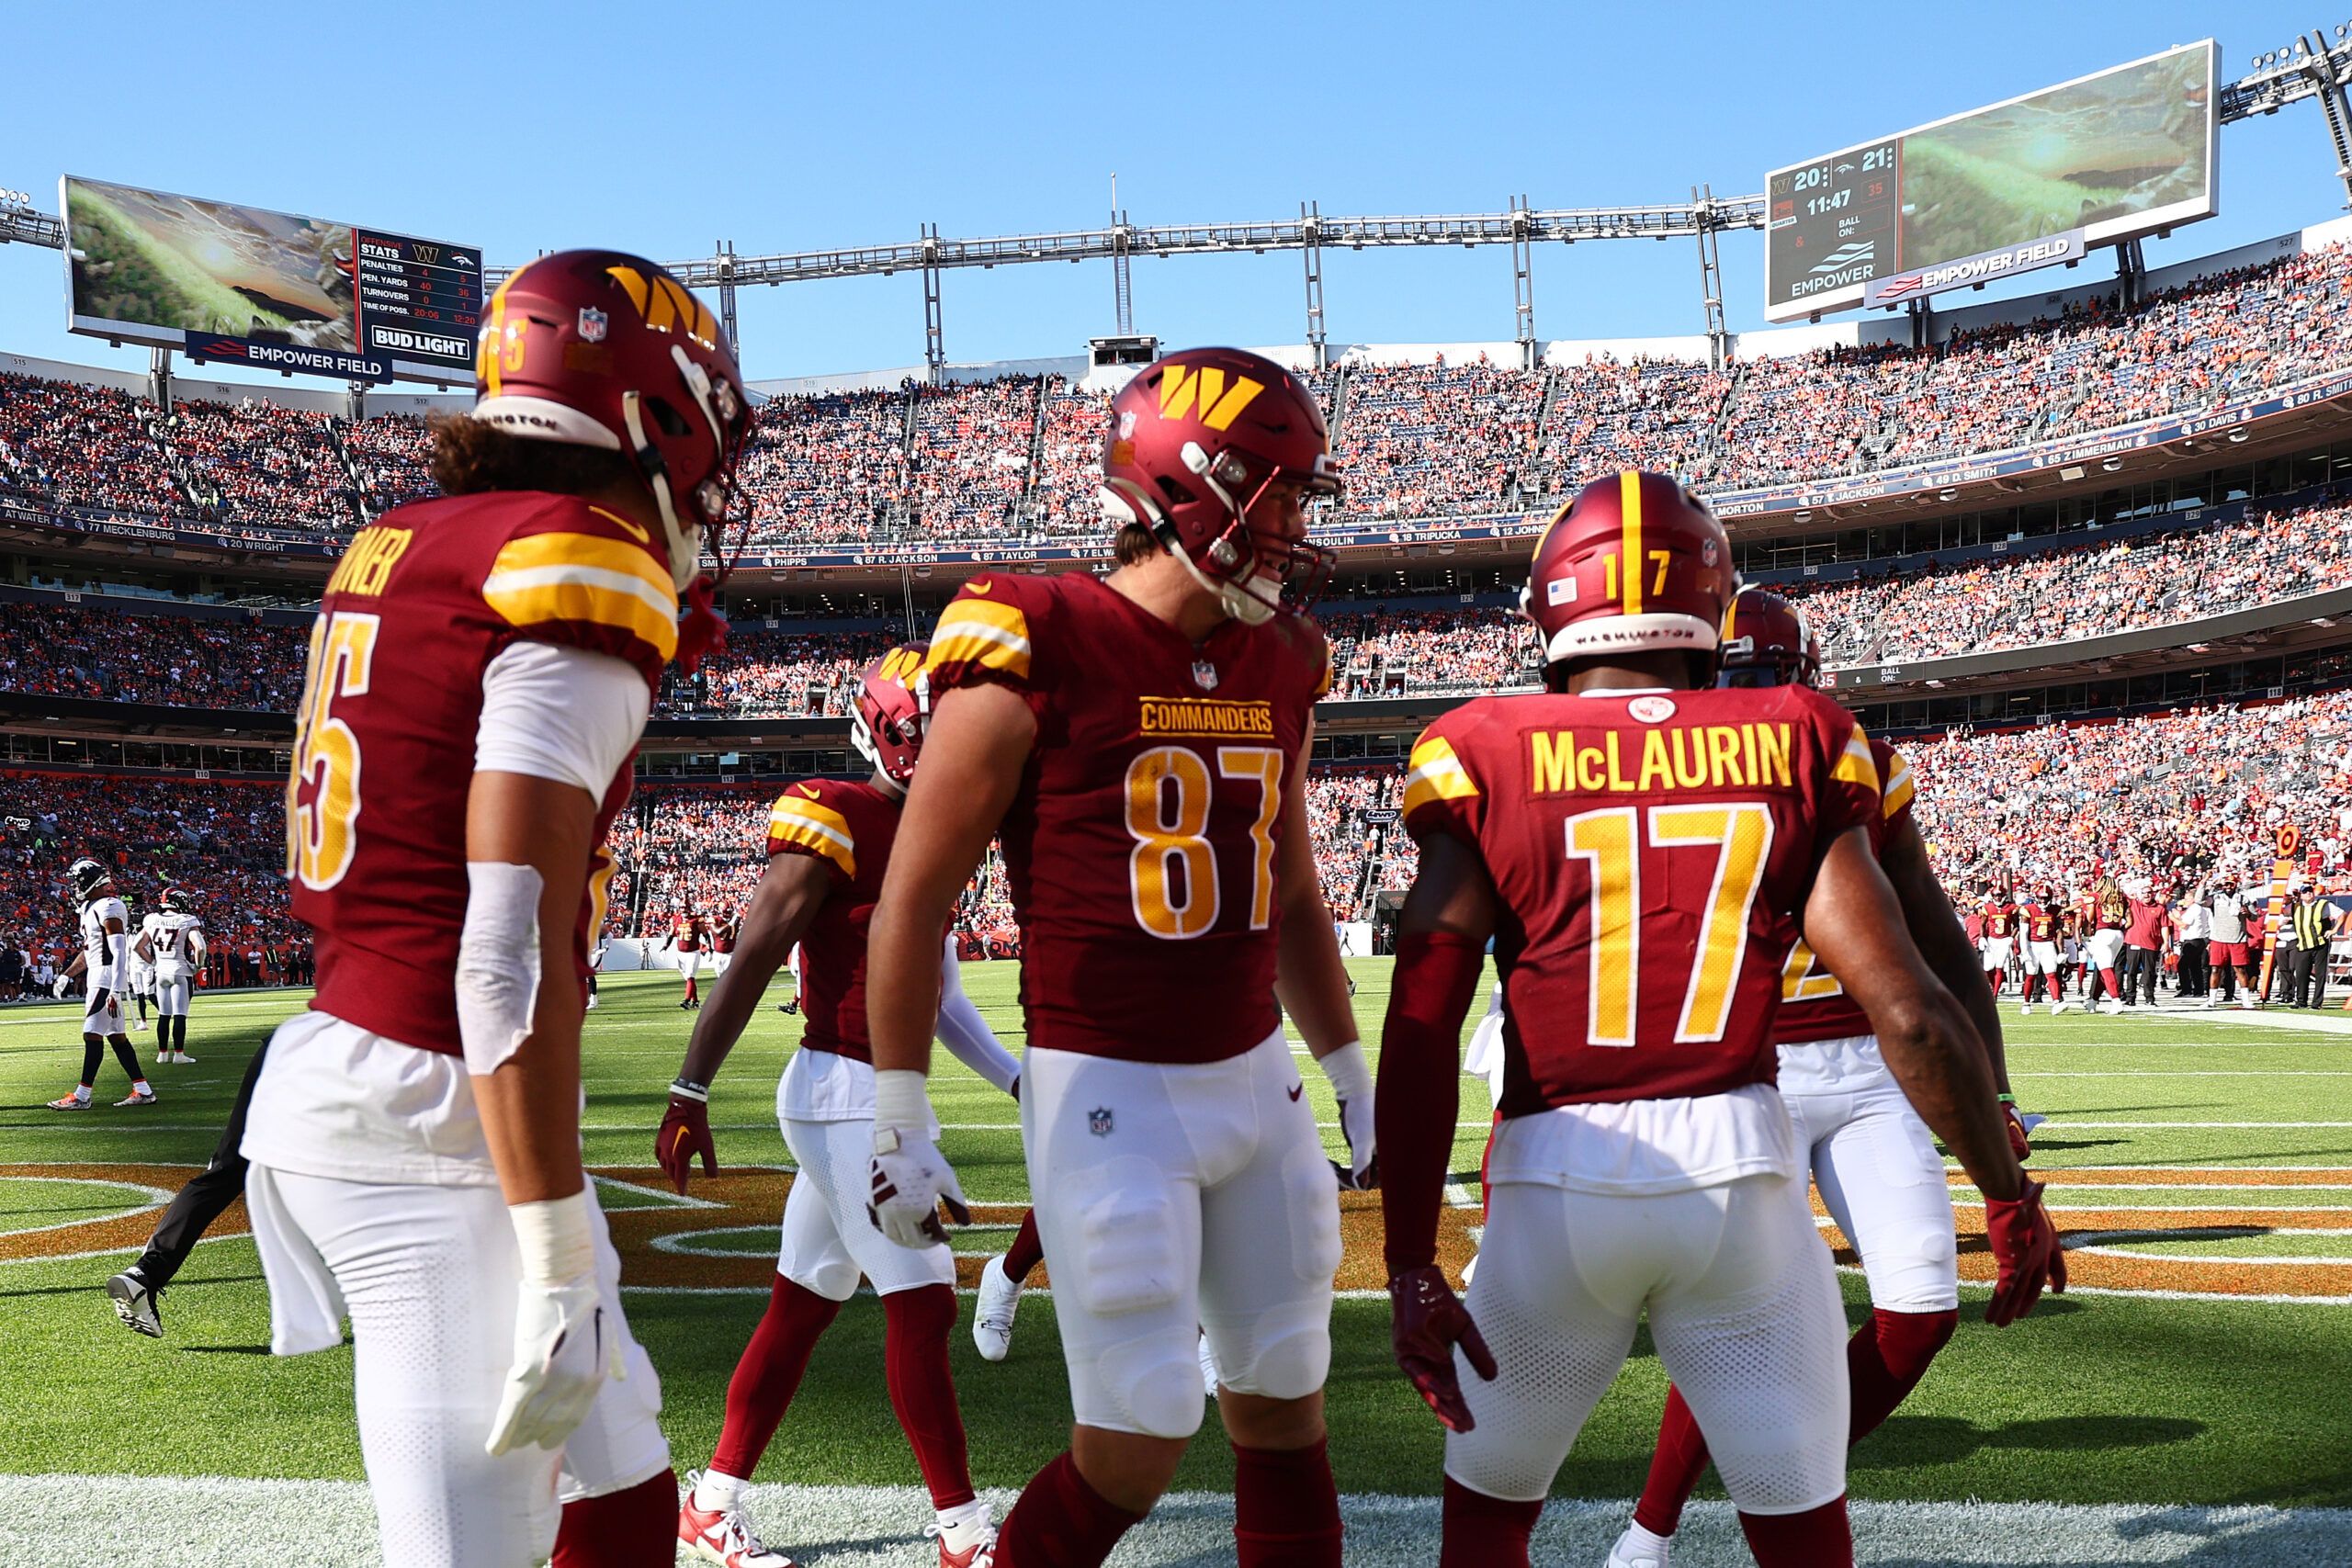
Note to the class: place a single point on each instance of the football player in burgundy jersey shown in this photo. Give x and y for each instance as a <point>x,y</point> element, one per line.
<point>2042,917</point>
<point>1997,919</point>
<point>1142,742</point>
<point>685,950</point>
<point>480,675</point>
<point>1643,851</point>
<point>828,841</point>
<point>1877,1167</point>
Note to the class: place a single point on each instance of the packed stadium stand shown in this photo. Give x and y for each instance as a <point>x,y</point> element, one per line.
<point>2137,655</point>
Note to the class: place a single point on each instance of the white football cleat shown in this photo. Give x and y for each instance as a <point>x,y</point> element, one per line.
<point>993,1312</point>
<point>2025,1009</point>
<point>1638,1548</point>
<point>2057,1008</point>
<point>2112,1005</point>
<point>137,1097</point>
<point>724,1536</point>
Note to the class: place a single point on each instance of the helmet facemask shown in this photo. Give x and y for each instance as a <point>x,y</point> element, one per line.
<point>1253,572</point>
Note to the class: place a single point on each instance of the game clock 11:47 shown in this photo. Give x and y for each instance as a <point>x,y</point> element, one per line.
<point>1832,222</point>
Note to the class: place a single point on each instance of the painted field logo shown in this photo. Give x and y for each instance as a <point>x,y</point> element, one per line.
<point>2164,1233</point>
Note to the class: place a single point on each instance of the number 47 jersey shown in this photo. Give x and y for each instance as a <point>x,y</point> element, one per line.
<point>1649,852</point>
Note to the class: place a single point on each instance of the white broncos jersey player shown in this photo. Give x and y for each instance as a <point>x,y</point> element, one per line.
<point>168,932</point>
<point>105,954</point>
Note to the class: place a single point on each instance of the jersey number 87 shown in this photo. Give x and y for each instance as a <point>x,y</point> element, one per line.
<point>1169,793</point>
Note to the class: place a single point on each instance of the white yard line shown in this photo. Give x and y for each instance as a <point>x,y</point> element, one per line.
<point>221,1522</point>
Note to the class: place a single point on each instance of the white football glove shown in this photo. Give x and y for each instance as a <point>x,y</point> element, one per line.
<point>63,983</point>
<point>911,1179</point>
<point>566,1343</point>
<point>1351,1086</point>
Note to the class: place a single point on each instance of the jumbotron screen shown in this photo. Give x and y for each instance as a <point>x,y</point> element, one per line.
<point>2030,182</point>
<point>247,284</point>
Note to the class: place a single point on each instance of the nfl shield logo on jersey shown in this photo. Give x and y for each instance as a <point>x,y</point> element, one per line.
<point>1098,1121</point>
<point>591,324</point>
<point>1204,674</point>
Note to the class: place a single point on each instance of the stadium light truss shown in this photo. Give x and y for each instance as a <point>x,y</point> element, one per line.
<point>2312,66</point>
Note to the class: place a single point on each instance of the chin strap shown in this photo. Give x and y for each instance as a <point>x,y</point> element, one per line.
<point>704,631</point>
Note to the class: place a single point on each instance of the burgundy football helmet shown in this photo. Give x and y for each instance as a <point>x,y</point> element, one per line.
<point>1766,642</point>
<point>893,706</point>
<point>1197,440</point>
<point>600,348</point>
<point>1636,563</point>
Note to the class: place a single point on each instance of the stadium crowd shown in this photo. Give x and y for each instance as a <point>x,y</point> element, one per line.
<point>223,842</point>
<point>1928,610</point>
<point>1437,439</point>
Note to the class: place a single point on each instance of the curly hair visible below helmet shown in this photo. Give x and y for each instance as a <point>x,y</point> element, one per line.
<point>87,877</point>
<point>893,705</point>
<point>607,350</point>
<point>1201,443</point>
<point>1634,564</point>
<point>1764,642</point>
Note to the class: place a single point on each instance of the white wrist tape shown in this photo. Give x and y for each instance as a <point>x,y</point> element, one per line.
<point>1351,1076</point>
<point>556,1241</point>
<point>498,962</point>
<point>901,1102</point>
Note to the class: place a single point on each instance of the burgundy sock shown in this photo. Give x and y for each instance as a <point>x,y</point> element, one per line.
<point>1819,1538</point>
<point>1679,1458</point>
<point>621,1530</point>
<point>1286,1508</point>
<point>2107,978</point>
<point>1061,1522</point>
<point>1483,1531</point>
<point>1885,1359</point>
<point>1028,1249</point>
<point>1993,977</point>
<point>768,1373</point>
<point>922,1389</point>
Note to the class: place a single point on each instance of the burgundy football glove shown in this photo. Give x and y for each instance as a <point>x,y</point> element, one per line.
<point>2018,1143</point>
<point>1428,1323</point>
<point>685,1133</point>
<point>2026,1245</point>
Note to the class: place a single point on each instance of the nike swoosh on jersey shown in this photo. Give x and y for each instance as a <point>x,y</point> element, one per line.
<point>809,790</point>
<point>636,530</point>
<point>979,585</point>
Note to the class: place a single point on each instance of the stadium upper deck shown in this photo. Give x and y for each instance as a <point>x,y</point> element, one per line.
<point>1808,428</point>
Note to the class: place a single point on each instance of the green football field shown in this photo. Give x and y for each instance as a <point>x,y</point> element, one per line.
<point>2188,1402</point>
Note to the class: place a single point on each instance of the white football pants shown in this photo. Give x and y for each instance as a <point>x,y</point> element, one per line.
<point>1176,1200</point>
<point>428,1276</point>
<point>1743,1304</point>
<point>1878,1170</point>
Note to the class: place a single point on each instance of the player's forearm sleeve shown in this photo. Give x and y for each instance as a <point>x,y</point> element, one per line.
<point>967,1034</point>
<point>1419,1094</point>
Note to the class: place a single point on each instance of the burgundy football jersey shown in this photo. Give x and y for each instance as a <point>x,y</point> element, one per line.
<point>1999,919</point>
<point>1140,848</point>
<point>1648,851</point>
<point>383,755</point>
<point>2040,922</point>
<point>851,827</point>
<point>1814,1006</point>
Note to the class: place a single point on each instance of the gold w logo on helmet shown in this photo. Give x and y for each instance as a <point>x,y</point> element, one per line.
<point>900,664</point>
<point>1185,388</point>
<point>664,303</point>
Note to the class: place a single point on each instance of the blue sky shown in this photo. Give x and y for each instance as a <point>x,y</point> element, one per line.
<point>663,129</point>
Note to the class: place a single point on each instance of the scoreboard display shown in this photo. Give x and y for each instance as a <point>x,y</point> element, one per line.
<point>247,284</point>
<point>1831,223</point>
<point>1997,191</point>
<point>416,302</point>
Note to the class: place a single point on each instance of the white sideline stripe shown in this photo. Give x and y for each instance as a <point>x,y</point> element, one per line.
<point>224,1522</point>
<point>2184,1126</point>
<point>2198,1073</point>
